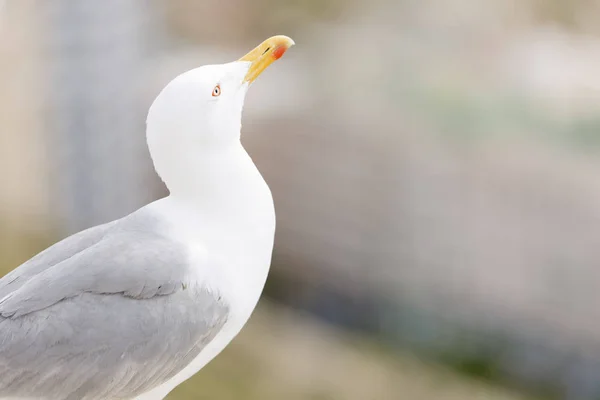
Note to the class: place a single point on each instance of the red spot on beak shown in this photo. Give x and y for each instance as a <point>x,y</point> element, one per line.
<point>278,52</point>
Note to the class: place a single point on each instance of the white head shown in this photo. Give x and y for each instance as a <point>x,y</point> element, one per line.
<point>198,114</point>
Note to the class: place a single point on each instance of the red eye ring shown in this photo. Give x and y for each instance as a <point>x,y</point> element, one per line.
<point>216,91</point>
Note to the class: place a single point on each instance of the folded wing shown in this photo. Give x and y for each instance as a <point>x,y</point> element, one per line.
<point>110,318</point>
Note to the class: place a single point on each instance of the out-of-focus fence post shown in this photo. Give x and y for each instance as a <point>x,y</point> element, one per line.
<point>96,51</point>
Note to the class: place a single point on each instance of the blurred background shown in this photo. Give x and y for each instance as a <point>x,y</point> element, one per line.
<point>434,167</point>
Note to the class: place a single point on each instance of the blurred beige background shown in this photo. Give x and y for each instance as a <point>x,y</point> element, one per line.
<point>434,167</point>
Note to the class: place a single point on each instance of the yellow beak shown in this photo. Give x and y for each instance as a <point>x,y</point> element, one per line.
<point>264,54</point>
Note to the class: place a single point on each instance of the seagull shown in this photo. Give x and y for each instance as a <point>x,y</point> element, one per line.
<point>132,308</point>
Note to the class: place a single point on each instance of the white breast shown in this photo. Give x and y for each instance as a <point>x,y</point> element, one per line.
<point>231,256</point>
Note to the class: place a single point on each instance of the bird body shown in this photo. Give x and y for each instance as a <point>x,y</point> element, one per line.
<point>132,308</point>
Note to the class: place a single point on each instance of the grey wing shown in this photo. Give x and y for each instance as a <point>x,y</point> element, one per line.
<point>111,321</point>
<point>52,256</point>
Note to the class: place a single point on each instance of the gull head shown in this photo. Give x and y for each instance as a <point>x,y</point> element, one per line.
<point>199,112</point>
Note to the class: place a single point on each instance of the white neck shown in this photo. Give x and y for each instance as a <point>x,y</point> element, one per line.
<point>223,185</point>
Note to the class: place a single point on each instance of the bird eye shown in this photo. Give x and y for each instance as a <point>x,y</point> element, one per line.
<point>217,91</point>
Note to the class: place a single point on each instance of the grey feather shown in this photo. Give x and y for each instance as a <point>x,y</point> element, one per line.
<point>53,255</point>
<point>105,314</point>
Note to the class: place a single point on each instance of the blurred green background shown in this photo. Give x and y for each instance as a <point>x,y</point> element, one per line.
<point>434,167</point>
